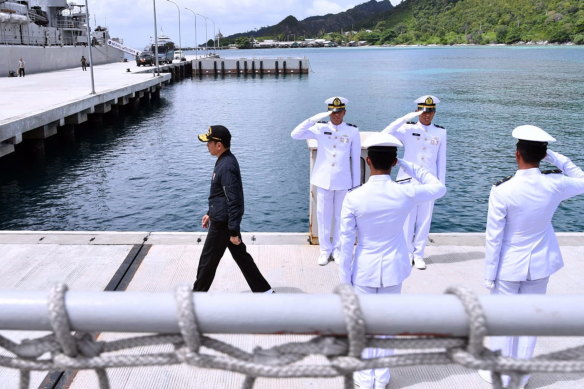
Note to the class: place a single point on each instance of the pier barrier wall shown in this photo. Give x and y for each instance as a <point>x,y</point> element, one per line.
<point>250,66</point>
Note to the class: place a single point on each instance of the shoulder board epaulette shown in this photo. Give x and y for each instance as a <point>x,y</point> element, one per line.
<point>410,122</point>
<point>436,125</point>
<point>503,180</point>
<point>352,125</point>
<point>552,171</point>
<point>403,180</point>
<point>355,187</point>
<point>322,121</point>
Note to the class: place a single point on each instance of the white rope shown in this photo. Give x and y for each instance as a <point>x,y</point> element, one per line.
<point>79,351</point>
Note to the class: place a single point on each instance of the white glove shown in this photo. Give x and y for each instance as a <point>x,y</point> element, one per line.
<point>550,157</point>
<point>319,116</point>
<point>411,115</point>
<point>489,284</point>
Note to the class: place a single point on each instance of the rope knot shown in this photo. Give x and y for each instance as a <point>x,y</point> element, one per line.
<point>89,347</point>
<point>270,357</point>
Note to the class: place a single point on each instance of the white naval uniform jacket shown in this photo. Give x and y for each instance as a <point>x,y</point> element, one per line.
<point>424,146</point>
<point>375,213</point>
<point>520,240</point>
<point>338,158</point>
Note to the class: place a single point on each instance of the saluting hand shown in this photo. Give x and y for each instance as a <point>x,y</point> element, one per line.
<point>205,221</point>
<point>235,240</point>
<point>320,116</point>
<point>411,115</point>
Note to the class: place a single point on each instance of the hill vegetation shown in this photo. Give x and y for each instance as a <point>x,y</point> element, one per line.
<point>480,22</point>
<point>316,26</point>
<point>441,22</point>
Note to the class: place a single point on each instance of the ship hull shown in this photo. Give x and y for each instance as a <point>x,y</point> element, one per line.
<point>49,58</point>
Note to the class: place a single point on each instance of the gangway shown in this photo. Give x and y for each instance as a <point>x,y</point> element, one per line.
<point>122,47</point>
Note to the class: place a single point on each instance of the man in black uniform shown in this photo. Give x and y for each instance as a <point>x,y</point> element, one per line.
<point>224,216</point>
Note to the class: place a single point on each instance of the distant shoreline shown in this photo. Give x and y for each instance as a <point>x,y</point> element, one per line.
<point>540,43</point>
<point>521,44</point>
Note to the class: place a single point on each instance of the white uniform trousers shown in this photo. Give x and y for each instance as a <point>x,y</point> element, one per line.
<point>328,215</point>
<point>417,227</point>
<point>374,378</point>
<point>519,347</point>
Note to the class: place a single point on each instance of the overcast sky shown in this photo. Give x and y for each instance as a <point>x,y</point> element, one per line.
<point>133,20</point>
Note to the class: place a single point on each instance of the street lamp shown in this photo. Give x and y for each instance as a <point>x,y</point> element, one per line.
<point>195,15</point>
<point>206,39</point>
<point>179,37</point>
<point>214,36</point>
<point>155,42</point>
<point>91,64</point>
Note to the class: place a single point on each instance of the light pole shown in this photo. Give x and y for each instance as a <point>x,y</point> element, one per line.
<point>155,42</point>
<point>179,37</point>
<point>91,64</point>
<point>196,45</point>
<point>206,39</point>
<point>214,36</point>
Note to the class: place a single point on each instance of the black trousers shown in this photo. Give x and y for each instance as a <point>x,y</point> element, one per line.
<point>215,244</point>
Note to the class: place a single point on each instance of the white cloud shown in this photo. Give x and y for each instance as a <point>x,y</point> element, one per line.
<point>323,7</point>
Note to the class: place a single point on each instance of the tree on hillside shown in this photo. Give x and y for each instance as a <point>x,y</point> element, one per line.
<point>243,43</point>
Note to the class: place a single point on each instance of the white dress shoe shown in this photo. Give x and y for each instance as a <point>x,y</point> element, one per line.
<point>336,255</point>
<point>323,259</point>
<point>419,262</point>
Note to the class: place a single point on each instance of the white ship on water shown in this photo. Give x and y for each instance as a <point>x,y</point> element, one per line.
<point>50,35</point>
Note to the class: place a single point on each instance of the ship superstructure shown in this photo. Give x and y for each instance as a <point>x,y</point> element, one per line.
<point>59,27</point>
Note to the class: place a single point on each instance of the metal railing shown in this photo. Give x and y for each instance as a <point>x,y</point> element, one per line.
<point>429,330</point>
<point>64,23</point>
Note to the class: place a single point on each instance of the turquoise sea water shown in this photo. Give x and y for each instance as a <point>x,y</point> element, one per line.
<point>147,171</point>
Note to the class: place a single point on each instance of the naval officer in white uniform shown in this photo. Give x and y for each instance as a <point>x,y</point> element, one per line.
<point>425,145</point>
<point>375,214</point>
<point>336,169</point>
<point>522,250</point>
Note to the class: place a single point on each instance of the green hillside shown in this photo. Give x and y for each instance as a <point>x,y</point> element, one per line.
<point>478,22</point>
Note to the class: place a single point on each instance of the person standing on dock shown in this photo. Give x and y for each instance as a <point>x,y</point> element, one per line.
<point>21,67</point>
<point>83,63</point>
<point>336,169</point>
<point>224,216</point>
<point>425,145</point>
<point>375,214</point>
<point>522,250</point>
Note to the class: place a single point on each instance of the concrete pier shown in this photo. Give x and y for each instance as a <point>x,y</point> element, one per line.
<point>158,261</point>
<point>39,105</point>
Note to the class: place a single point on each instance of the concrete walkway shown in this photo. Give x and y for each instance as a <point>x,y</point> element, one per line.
<point>38,92</point>
<point>91,261</point>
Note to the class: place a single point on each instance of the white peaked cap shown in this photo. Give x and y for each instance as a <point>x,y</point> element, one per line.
<point>381,139</point>
<point>532,133</point>
<point>331,99</point>
<point>429,99</point>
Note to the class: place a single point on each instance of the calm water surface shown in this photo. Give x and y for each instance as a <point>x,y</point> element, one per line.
<point>148,172</point>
